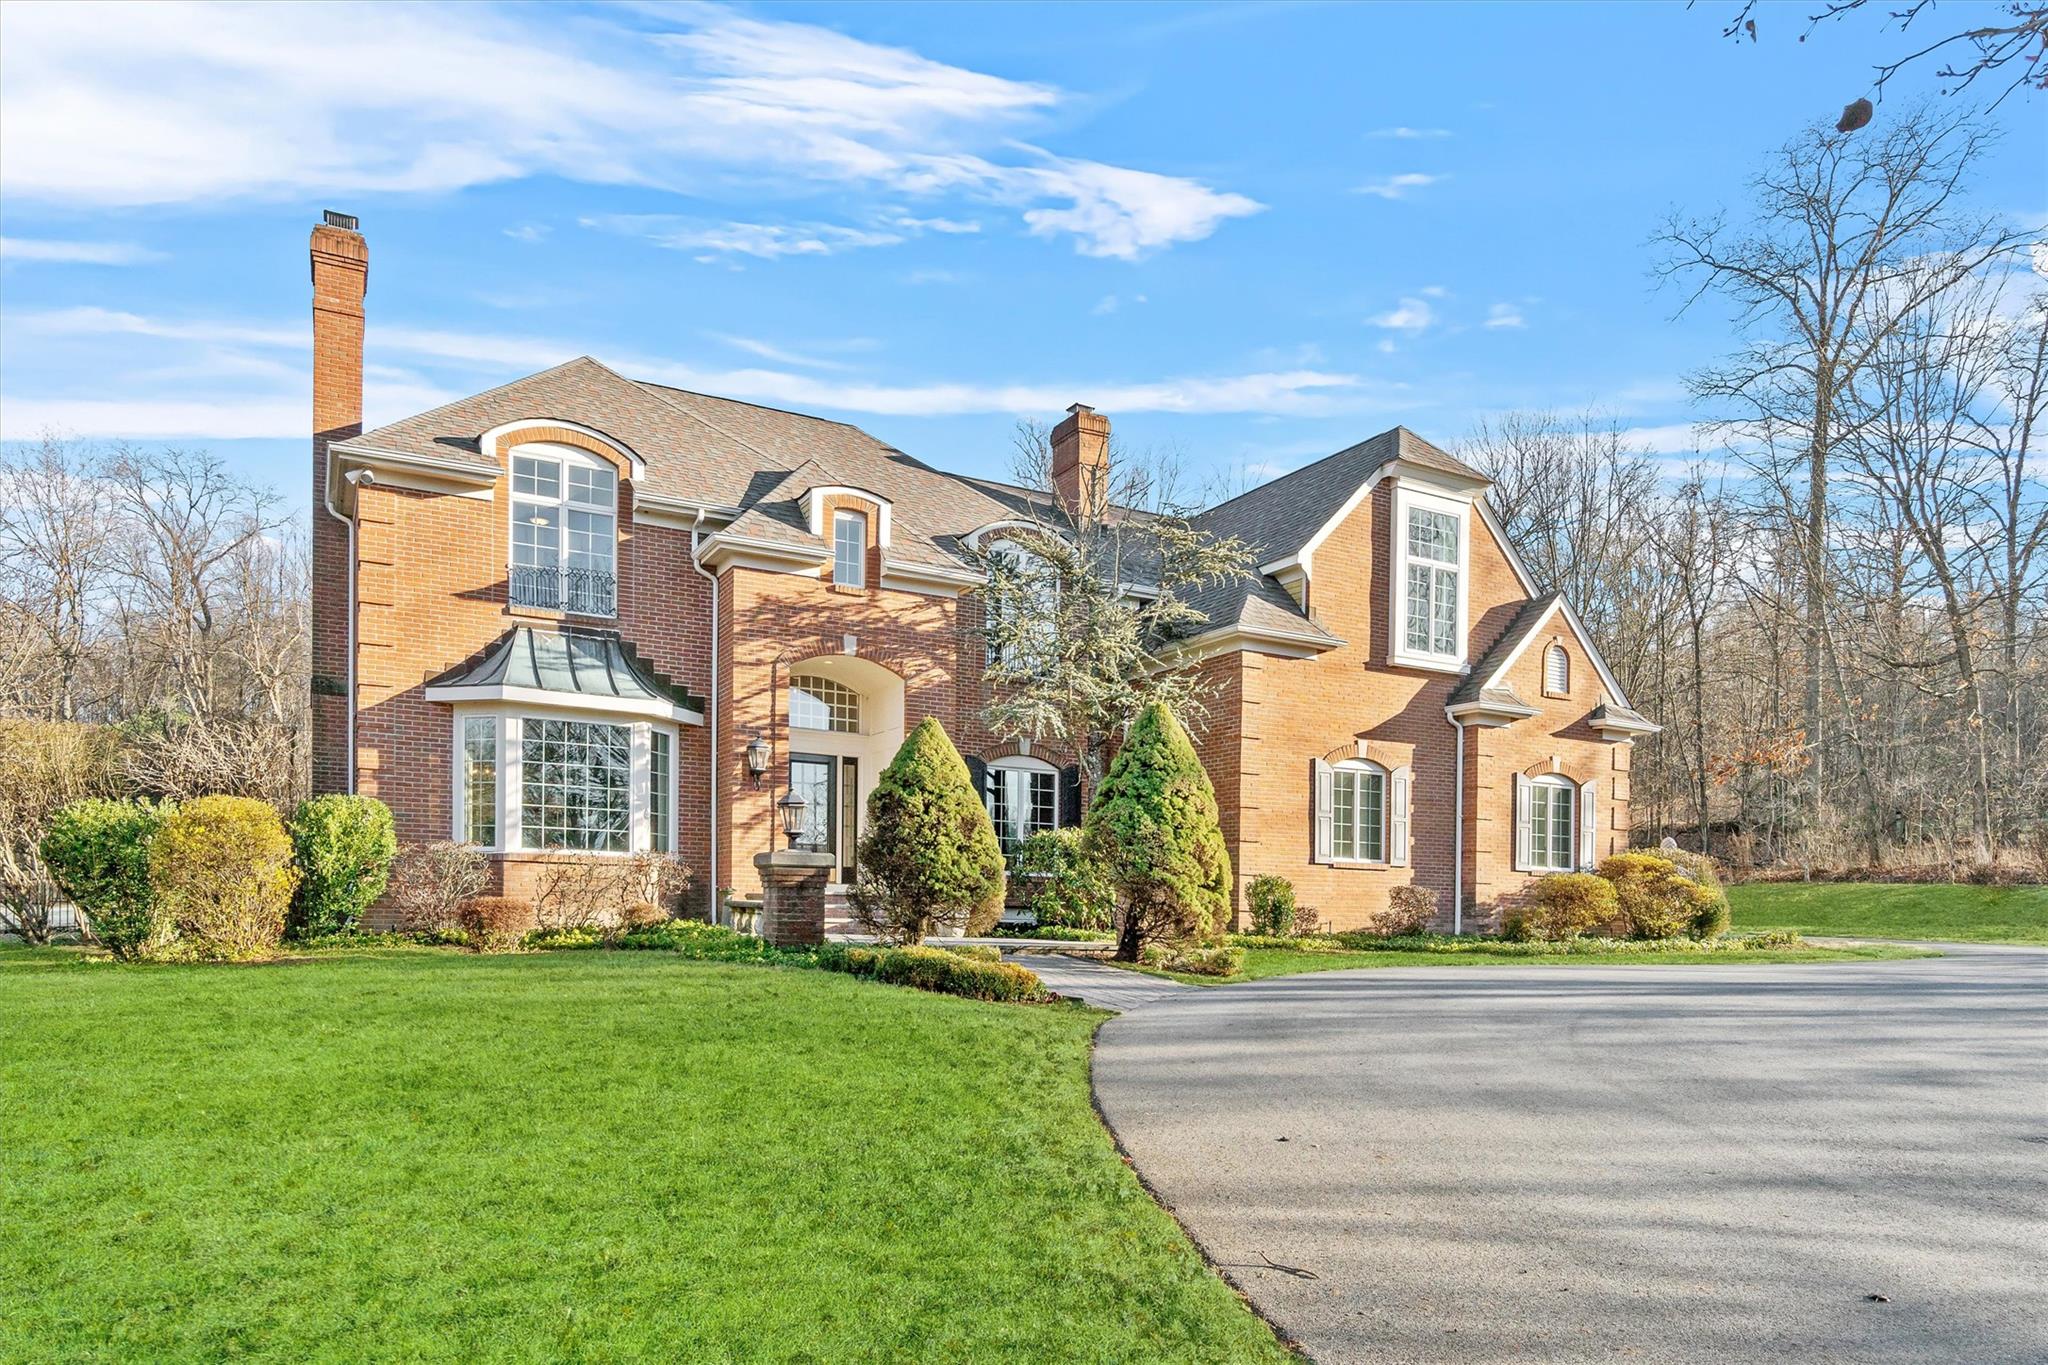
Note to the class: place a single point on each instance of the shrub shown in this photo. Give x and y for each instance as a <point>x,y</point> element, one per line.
<point>934,969</point>
<point>1563,906</point>
<point>698,941</point>
<point>221,870</point>
<point>1307,923</point>
<point>98,852</point>
<point>1064,887</point>
<point>1153,825</point>
<point>1409,911</point>
<point>44,765</point>
<point>974,952</point>
<point>1194,960</point>
<point>344,846</point>
<point>1655,899</point>
<point>431,882</point>
<point>1767,939</point>
<point>496,924</point>
<point>1710,919</point>
<point>577,892</point>
<point>1272,903</point>
<point>930,856</point>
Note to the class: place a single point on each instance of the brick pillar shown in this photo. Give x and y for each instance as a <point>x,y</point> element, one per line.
<point>793,896</point>
<point>341,277</point>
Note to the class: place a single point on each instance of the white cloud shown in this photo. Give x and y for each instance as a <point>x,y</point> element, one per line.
<point>1398,186</point>
<point>1110,303</point>
<point>529,232</point>
<point>1410,315</point>
<point>51,252</point>
<point>1434,291</point>
<point>183,103</point>
<point>1677,438</point>
<point>766,241</point>
<point>1387,346</point>
<point>1505,315</point>
<point>1407,134</point>
<point>952,226</point>
<point>781,356</point>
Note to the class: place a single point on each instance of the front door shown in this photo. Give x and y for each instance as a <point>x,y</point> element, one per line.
<point>813,777</point>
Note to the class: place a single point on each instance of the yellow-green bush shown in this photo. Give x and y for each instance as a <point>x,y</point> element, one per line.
<point>1565,905</point>
<point>1710,919</point>
<point>1195,960</point>
<point>221,870</point>
<point>1657,900</point>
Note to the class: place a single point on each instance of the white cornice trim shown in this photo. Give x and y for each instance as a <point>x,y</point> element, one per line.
<point>814,508</point>
<point>1488,714</point>
<point>487,443</point>
<point>664,509</point>
<point>936,579</point>
<point>459,471</point>
<point>1285,644</point>
<point>565,701</point>
<point>1585,639</point>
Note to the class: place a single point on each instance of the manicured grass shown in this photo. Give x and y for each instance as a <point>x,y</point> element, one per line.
<point>1959,914</point>
<point>1264,962</point>
<point>595,1156</point>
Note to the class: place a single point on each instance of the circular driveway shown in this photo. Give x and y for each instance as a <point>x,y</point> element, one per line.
<point>1643,1164</point>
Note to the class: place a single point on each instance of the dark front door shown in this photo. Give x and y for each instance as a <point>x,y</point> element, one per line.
<point>814,778</point>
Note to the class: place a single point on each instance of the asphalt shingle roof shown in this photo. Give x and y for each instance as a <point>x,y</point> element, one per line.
<point>1474,686</point>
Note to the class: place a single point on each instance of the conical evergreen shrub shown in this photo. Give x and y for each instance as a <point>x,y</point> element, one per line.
<point>1153,827</point>
<point>930,858</point>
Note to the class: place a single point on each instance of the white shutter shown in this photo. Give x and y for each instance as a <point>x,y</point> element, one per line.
<point>1589,827</point>
<point>1521,823</point>
<point>1397,816</point>
<point>1320,801</point>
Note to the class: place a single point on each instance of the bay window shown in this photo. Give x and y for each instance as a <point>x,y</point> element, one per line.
<point>532,782</point>
<point>564,531</point>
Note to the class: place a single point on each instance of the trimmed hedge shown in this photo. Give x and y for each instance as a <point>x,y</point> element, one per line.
<point>98,852</point>
<point>1271,898</point>
<point>935,969</point>
<point>344,846</point>
<point>1563,906</point>
<point>221,869</point>
<point>497,924</point>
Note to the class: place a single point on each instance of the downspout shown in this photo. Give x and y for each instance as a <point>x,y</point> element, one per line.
<point>1458,834</point>
<point>711,578</point>
<point>357,478</point>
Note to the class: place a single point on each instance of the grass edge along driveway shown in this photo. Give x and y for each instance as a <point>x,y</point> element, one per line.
<point>1936,912</point>
<point>569,1156</point>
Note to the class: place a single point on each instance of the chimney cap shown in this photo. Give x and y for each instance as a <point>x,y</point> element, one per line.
<point>1079,407</point>
<point>340,220</point>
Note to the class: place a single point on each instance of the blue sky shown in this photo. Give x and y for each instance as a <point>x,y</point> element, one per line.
<point>1256,234</point>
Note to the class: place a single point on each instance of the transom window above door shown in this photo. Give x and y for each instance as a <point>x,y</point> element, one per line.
<point>817,703</point>
<point>564,536</point>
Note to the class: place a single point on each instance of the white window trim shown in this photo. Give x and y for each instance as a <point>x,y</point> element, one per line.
<point>1584,815</point>
<point>565,456</point>
<point>1023,763</point>
<point>1406,497</point>
<point>860,573</point>
<point>1365,765</point>
<point>511,787</point>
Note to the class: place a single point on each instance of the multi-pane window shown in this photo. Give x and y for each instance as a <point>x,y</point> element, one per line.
<point>1021,607</point>
<point>1358,813</point>
<point>822,704</point>
<point>658,804</point>
<point>576,778</point>
<point>1553,806</point>
<point>1432,582</point>
<point>480,780</point>
<point>564,534</point>
<point>1557,670</point>
<point>850,549</point>
<point>1022,802</point>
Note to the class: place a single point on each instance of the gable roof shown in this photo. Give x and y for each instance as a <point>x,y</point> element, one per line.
<point>1488,677</point>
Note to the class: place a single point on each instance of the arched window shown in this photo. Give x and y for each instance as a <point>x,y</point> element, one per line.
<point>1358,812</point>
<point>564,550</point>
<point>817,703</point>
<point>1557,671</point>
<point>1023,798</point>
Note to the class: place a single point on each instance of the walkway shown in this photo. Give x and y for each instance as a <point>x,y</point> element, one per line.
<point>1098,983</point>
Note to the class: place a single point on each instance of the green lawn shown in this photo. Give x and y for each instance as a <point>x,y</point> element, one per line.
<point>591,1156</point>
<point>1960,914</point>
<point>1264,962</point>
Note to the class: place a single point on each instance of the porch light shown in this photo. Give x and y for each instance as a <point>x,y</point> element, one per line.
<point>757,758</point>
<point>792,808</point>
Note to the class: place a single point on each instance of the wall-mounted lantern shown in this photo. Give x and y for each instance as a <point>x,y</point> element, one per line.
<point>757,758</point>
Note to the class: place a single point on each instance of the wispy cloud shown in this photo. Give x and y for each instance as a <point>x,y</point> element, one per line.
<point>1505,315</point>
<point>951,226</point>
<point>1110,303</point>
<point>184,103</point>
<point>765,241</point>
<point>529,232</point>
<point>48,251</point>
<point>782,355</point>
<point>1410,315</point>
<point>1399,186</point>
<point>1407,134</point>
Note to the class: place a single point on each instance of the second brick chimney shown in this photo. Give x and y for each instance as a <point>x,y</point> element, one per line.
<point>341,277</point>
<point>1080,463</point>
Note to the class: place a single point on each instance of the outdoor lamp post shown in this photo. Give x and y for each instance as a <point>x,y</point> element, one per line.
<point>757,758</point>
<point>792,808</point>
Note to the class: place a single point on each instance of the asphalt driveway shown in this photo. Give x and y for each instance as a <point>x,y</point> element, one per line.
<point>1643,1164</point>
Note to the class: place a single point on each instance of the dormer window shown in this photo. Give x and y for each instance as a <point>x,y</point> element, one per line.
<point>850,549</point>
<point>564,540</point>
<point>1430,558</point>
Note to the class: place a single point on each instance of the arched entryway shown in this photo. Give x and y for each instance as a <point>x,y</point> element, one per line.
<point>845,722</point>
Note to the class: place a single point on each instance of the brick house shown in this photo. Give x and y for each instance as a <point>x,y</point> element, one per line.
<point>569,616</point>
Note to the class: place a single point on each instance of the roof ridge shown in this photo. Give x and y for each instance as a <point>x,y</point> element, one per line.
<point>763,407</point>
<point>697,417</point>
<point>1322,460</point>
<point>473,397</point>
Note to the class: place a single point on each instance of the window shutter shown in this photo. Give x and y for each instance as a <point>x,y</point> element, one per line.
<point>1589,827</point>
<point>1070,796</point>
<point>1320,803</point>
<point>1521,823</point>
<point>1397,816</point>
<point>977,772</point>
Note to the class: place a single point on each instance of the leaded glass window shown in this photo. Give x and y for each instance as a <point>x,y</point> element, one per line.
<point>576,777</point>
<point>817,703</point>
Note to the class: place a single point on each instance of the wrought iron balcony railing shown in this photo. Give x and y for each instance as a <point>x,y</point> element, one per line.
<point>587,592</point>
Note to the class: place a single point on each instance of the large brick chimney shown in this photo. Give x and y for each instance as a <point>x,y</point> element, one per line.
<point>1080,462</point>
<point>341,276</point>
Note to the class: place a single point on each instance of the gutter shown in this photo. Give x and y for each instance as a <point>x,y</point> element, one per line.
<point>711,709</point>
<point>1458,832</point>
<point>357,477</point>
